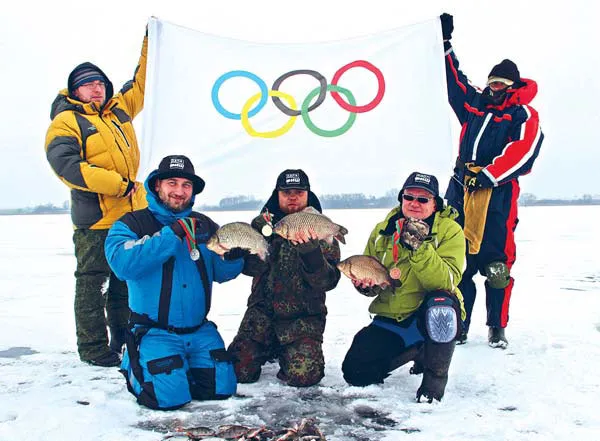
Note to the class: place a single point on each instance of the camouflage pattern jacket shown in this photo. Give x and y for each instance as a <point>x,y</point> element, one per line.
<point>290,286</point>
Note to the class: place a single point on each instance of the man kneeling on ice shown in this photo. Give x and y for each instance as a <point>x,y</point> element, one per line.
<point>419,317</point>
<point>285,319</point>
<point>173,352</point>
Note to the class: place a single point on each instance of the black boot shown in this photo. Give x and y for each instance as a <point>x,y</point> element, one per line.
<point>108,359</point>
<point>436,362</point>
<point>497,338</point>
<point>117,339</point>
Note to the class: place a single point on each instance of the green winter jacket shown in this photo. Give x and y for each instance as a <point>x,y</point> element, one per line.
<point>437,265</point>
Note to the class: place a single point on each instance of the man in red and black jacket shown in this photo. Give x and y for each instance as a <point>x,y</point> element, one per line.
<point>499,141</point>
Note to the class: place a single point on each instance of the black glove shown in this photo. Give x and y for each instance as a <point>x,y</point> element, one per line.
<point>447,25</point>
<point>236,253</point>
<point>254,267</point>
<point>130,187</point>
<point>178,229</point>
<point>480,180</point>
<point>373,291</point>
<point>414,233</point>
<point>311,255</point>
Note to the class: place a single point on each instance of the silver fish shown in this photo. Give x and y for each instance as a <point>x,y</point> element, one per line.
<point>361,267</point>
<point>238,235</point>
<point>309,218</point>
<point>232,431</point>
<point>199,432</point>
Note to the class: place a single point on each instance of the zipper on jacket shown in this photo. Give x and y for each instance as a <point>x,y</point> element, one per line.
<point>478,139</point>
<point>121,131</point>
<point>119,146</point>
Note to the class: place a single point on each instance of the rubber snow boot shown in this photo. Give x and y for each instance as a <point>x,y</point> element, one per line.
<point>497,338</point>
<point>108,359</point>
<point>462,338</point>
<point>436,362</point>
<point>117,339</point>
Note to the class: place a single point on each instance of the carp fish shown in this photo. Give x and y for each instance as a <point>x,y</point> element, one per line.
<point>238,235</point>
<point>307,219</point>
<point>361,267</point>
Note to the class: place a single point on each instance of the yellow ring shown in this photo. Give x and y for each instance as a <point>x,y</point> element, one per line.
<point>274,133</point>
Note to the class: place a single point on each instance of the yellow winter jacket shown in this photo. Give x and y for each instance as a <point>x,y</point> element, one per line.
<point>436,265</point>
<point>95,152</point>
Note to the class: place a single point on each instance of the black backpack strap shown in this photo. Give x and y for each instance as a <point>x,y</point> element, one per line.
<point>207,289</point>
<point>205,227</point>
<point>166,289</point>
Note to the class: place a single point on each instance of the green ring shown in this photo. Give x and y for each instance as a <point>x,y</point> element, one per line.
<point>328,133</point>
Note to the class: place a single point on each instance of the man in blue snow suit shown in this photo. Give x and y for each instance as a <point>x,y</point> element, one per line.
<point>499,141</point>
<point>173,353</point>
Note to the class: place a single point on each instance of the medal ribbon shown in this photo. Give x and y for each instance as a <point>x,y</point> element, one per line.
<point>396,239</point>
<point>267,217</point>
<point>189,227</point>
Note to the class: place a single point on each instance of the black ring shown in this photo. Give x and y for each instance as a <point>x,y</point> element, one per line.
<point>313,73</point>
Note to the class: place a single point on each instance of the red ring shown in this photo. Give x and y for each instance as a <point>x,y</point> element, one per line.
<point>380,82</point>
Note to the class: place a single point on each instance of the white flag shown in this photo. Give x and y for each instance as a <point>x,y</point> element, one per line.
<point>358,115</point>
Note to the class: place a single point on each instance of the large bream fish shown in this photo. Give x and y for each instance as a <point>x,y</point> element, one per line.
<point>366,267</point>
<point>238,235</point>
<point>307,219</point>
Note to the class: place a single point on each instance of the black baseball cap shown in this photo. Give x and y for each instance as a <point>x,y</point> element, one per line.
<point>425,182</point>
<point>292,179</point>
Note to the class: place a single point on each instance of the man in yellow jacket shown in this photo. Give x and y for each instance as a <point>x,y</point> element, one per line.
<point>419,317</point>
<point>91,146</point>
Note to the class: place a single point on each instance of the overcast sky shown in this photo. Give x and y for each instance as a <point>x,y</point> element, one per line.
<point>555,44</point>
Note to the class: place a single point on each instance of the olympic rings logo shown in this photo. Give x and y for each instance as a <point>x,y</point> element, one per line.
<point>292,108</point>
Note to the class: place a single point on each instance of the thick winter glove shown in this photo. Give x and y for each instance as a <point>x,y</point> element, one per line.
<point>373,291</point>
<point>447,25</point>
<point>414,232</point>
<point>254,266</point>
<point>236,253</point>
<point>311,255</point>
<point>480,180</point>
<point>130,187</point>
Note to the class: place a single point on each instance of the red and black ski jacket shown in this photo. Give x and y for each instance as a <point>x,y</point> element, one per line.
<point>504,139</point>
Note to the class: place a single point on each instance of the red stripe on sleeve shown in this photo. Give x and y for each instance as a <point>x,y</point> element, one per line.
<point>516,153</point>
<point>455,73</point>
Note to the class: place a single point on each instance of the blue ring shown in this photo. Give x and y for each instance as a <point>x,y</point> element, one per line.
<point>239,73</point>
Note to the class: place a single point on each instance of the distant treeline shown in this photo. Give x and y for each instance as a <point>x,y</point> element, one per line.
<point>328,201</point>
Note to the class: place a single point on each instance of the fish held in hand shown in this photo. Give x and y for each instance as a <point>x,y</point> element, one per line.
<point>238,235</point>
<point>361,267</point>
<point>310,219</point>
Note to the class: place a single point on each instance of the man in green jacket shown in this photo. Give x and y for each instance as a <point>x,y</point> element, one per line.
<point>419,317</point>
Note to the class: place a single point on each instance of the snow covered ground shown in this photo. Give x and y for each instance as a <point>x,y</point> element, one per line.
<point>543,387</point>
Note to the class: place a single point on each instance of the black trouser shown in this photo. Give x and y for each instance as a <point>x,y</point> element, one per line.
<point>377,351</point>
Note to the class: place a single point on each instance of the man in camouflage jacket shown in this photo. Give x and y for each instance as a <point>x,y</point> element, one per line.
<point>285,319</point>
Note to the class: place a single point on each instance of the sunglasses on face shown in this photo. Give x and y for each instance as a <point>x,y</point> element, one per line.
<point>420,199</point>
